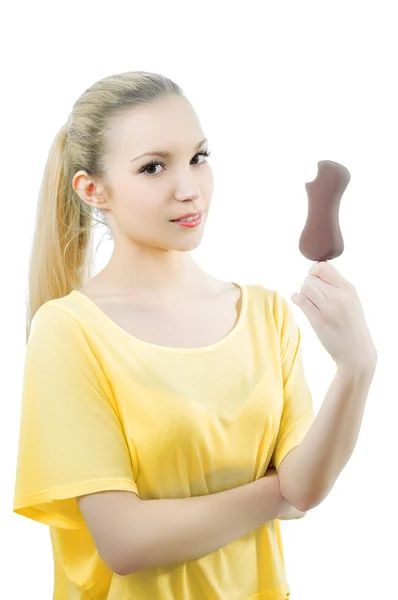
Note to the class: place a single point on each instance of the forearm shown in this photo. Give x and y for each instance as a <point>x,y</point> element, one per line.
<point>314,466</point>
<point>173,531</point>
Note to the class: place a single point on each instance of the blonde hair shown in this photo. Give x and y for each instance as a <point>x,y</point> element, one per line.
<point>61,258</point>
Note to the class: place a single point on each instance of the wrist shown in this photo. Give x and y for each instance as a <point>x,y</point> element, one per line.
<point>360,374</point>
<point>362,366</point>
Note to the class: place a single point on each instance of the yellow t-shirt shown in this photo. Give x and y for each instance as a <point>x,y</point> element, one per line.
<point>103,410</point>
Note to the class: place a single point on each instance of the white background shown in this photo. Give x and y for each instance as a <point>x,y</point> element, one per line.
<point>277,87</point>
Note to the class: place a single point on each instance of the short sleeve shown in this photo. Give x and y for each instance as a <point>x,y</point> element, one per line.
<point>71,440</point>
<point>298,410</point>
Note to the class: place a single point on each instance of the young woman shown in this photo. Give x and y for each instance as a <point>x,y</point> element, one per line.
<point>166,423</point>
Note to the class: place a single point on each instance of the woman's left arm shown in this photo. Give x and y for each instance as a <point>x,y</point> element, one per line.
<point>308,473</point>
<point>331,304</point>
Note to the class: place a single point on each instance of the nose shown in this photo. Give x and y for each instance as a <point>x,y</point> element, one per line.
<point>191,193</point>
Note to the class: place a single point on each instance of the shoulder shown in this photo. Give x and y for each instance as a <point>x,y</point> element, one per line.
<point>272,297</point>
<point>55,319</point>
<point>275,304</point>
<point>54,311</point>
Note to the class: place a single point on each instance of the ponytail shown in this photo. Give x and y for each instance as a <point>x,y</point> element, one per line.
<point>60,258</point>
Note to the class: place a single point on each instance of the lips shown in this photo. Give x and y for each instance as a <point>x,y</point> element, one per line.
<point>186,216</point>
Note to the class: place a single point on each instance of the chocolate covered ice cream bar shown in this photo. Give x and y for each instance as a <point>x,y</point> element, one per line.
<point>321,238</point>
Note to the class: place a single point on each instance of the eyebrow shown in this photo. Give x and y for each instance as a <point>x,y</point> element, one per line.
<point>164,153</point>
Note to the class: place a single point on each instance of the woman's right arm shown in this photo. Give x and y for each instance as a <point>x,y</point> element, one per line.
<point>133,534</point>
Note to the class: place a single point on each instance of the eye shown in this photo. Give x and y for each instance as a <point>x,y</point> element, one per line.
<point>154,164</point>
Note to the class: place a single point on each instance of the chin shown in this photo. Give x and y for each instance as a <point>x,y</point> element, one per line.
<point>187,247</point>
<point>184,245</point>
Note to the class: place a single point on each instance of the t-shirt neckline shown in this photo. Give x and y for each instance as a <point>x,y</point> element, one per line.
<point>112,325</point>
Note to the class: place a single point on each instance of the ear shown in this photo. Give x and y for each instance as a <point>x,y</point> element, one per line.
<point>88,190</point>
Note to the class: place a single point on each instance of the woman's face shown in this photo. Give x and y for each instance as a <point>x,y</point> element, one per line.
<point>144,198</point>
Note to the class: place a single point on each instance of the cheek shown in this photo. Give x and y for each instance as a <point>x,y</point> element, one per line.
<point>140,210</point>
<point>209,183</point>
<point>133,196</point>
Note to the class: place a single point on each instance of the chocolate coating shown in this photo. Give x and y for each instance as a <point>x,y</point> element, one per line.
<point>321,238</point>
